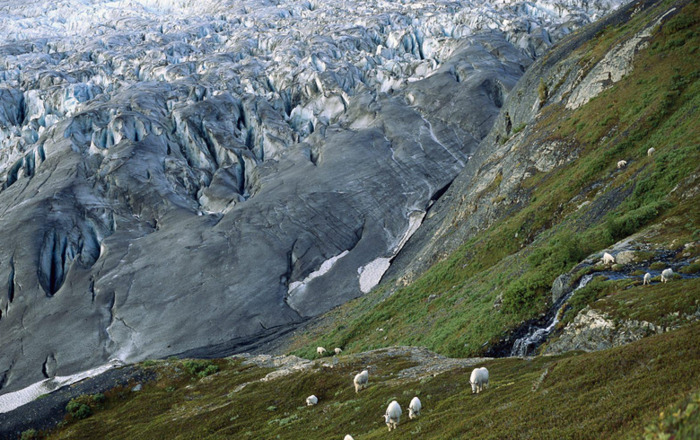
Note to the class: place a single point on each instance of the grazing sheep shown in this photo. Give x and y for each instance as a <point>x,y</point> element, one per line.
<point>651,151</point>
<point>414,408</point>
<point>621,164</point>
<point>666,275</point>
<point>311,400</point>
<point>392,415</point>
<point>361,380</point>
<point>647,279</point>
<point>338,350</point>
<point>479,379</point>
<point>348,437</point>
<point>608,259</point>
<point>320,351</point>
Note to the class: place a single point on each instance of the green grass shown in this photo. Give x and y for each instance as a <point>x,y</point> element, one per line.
<point>613,394</point>
<point>662,304</point>
<point>518,258</point>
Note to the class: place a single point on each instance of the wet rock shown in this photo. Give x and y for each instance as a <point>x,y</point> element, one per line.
<point>562,285</point>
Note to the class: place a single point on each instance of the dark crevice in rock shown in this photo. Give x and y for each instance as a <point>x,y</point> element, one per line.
<point>440,192</point>
<point>60,249</point>
<point>11,281</point>
<point>44,370</point>
<point>494,90</point>
<point>51,263</point>
<point>12,174</point>
<point>110,306</point>
<point>284,279</point>
<point>91,288</point>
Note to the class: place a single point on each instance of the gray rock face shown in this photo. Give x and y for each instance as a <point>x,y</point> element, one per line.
<point>592,330</point>
<point>189,175</point>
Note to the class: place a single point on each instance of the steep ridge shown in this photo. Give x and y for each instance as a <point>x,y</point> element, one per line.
<point>182,176</point>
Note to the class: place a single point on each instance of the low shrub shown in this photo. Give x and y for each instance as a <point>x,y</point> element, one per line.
<point>29,434</point>
<point>78,410</point>
<point>200,367</point>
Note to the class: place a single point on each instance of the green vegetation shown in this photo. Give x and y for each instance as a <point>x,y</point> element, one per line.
<point>78,410</point>
<point>84,406</point>
<point>29,434</point>
<point>693,267</point>
<point>453,307</point>
<point>614,394</point>
<point>200,368</point>
<point>542,92</point>
<point>661,304</point>
<point>680,422</point>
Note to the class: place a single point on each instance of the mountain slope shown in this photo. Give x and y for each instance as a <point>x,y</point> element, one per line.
<point>544,197</point>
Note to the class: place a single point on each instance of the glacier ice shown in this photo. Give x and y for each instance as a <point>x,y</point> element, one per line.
<point>171,170</point>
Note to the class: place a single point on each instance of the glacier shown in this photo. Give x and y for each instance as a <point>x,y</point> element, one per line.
<point>178,175</point>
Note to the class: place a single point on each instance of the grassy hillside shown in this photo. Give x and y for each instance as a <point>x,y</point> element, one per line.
<point>574,211</point>
<point>615,394</point>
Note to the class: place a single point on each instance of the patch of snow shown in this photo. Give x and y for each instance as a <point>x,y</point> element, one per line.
<point>325,267</point>
<point>13,400</point>
<point>371,274</point>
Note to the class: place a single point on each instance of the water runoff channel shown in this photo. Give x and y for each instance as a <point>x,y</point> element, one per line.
<point>537,332</point>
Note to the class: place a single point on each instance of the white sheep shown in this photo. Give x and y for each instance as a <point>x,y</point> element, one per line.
<point>348,437</point>
<point>320,351</point>
<point>621,164</point>
<point>651,151</point>
<point>392,415</point>
<point>666,275</point>
<point>311,400</point>
<point>479,379</point>
<point>608,259</point>
<point>414,408</point>
<point>647,279</point>
<point>361,380</point>
<point>338,350</point>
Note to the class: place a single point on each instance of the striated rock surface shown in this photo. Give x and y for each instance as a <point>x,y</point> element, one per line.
<point>187,177</point>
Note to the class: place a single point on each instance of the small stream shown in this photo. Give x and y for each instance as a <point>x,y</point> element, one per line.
<point>537,335</point>
<point>525,340</point>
